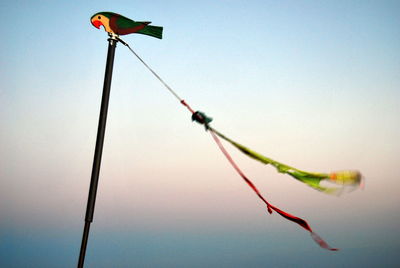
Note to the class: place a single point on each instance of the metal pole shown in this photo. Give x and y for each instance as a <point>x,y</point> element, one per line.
<point>112,42</point>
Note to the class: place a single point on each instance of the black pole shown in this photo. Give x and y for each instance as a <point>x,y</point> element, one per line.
<point>112,42</point>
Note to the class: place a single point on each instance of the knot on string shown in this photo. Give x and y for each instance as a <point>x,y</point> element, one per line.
<point>269,209</point>
<point>202,119</point>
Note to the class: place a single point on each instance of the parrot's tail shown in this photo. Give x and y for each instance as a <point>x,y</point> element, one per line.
<point>155,31</point>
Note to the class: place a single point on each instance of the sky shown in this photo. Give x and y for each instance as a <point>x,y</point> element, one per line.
<point>314,84</point>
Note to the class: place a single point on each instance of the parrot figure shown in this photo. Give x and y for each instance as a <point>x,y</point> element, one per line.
<point>120,25</point>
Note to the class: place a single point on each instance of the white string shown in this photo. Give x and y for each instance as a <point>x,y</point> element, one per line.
<point>151,70</point>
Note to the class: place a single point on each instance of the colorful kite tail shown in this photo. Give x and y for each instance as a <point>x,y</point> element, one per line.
<point>271,207</point>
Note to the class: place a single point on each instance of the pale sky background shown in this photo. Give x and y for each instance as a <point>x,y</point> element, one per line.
<point>314,84</point>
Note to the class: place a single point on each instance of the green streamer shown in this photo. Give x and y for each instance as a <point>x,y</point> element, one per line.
<point>312,179</point>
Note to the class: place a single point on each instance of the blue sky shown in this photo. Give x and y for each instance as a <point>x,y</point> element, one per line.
<point>314,84</point>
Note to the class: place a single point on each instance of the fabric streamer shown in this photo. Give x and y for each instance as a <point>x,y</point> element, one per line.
<point>203,119</point>
<point>341,179</point>
<point>345,178</point>
<point>270,207</point>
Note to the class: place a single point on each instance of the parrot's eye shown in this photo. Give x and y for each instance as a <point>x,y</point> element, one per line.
<point>99,17</point>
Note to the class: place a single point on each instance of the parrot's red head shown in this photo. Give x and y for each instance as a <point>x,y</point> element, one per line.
<point>102,19</point>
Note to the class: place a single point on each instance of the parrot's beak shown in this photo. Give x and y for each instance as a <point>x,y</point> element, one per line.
<point>96,23</point>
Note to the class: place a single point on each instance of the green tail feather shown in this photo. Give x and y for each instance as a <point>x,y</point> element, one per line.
<point>155,31</point>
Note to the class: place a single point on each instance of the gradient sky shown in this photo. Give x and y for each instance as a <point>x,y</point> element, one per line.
<point>314,84</point>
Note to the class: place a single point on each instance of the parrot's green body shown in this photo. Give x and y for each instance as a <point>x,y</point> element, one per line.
<point>120,25</point>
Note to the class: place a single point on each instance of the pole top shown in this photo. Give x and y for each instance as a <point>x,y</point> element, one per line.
<point>113,37</point>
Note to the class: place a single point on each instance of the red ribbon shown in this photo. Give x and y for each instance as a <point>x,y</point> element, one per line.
<point>270,207</point>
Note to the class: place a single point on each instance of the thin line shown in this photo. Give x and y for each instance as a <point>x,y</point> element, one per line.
<point>151,70</point>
